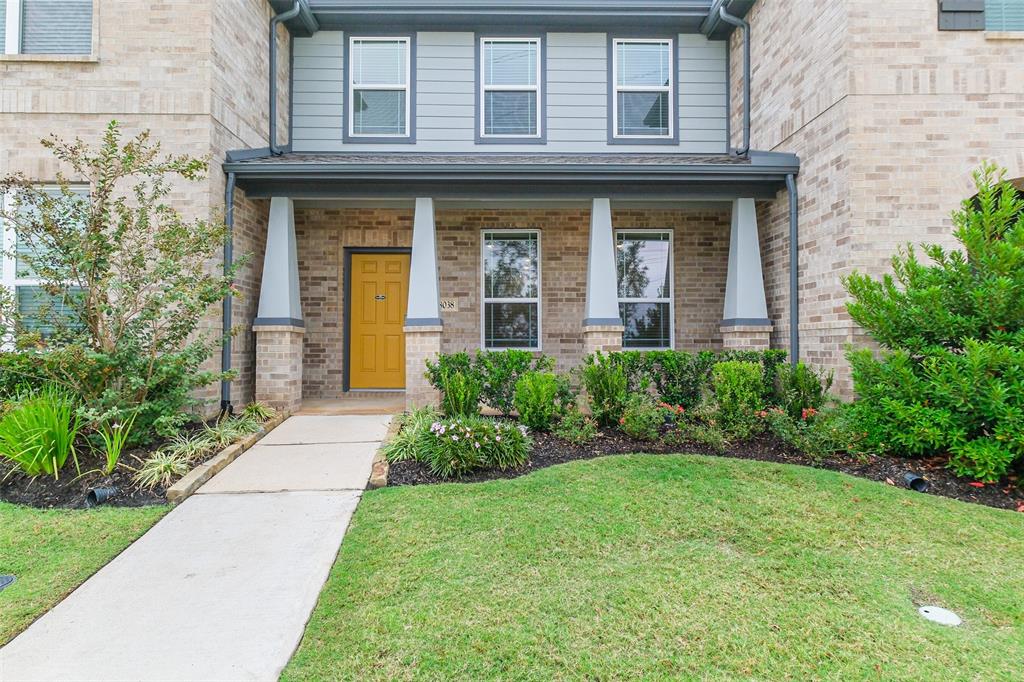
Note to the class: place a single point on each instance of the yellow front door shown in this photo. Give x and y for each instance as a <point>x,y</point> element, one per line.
<point>379,289</point>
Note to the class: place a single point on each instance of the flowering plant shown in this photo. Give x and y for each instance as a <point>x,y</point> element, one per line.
<point>458,446</point>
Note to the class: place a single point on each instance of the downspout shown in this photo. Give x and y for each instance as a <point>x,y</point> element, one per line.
<point>794,269</point>
<point>277,19</point>
<point>229,257</point>
<point>740,23</point>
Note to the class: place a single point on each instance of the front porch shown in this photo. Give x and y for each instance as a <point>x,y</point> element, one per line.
<point>359,291</point>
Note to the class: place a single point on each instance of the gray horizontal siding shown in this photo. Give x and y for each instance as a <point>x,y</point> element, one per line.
<point>577,95</point>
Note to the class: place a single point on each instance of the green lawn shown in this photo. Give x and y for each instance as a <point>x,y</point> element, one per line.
<point>669,567</point>
<point>53,551</point>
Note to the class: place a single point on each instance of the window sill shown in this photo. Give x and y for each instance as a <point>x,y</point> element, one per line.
<point>1004,35</point>
<point>52,58</point>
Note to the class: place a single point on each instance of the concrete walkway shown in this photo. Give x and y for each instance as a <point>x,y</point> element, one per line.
<point>222,587</point>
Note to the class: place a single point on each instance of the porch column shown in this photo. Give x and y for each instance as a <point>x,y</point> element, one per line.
<point>423,325</point>
<point>278,325</point>
<point>745,323</point>
<point>602,326</point>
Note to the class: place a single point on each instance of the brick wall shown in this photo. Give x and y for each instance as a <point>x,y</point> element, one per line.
<point>701,254</point>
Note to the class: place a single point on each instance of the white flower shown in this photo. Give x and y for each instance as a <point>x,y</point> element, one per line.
<point>455,437</point>
<point>497,439</point>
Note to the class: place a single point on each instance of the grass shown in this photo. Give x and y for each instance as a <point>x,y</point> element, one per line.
<point>669,567</point>
<point>53,551</point>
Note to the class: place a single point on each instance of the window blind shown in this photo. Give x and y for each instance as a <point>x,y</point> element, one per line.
<point>1004,15</point>
<point>56,27</point>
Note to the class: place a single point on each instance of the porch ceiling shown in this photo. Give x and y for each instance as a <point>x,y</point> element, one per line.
<point>468,176</point>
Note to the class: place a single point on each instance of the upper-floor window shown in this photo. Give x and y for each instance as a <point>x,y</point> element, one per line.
<point>510,88</point>
<point>643,89</point>
<point>1004,15</point>
<point>378,87</point>
<point>46,26</point>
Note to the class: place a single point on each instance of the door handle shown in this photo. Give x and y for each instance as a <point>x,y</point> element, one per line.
<point>379,297</point>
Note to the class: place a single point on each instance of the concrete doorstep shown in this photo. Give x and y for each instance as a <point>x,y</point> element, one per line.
<point>221,588</point>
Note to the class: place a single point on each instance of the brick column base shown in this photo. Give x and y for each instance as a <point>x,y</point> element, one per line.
<point>279,366</point>
<point>753,337</point>
<point>605,338</point>
<point>421,344</point>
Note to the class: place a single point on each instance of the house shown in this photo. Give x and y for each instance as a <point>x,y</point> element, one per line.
<point>415,177</point>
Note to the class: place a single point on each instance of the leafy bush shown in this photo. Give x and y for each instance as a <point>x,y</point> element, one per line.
<point>537,400</point>
<point>38,432</point>
<point>460,394</point>
<point>409,443</point>
<point>739,394</point>
<point>459,446</point>
<point>703,433</point>
<point>818,434</point>
<point>642,418</point>
<point>576,427</point>
<point>134,278</point>
<point>798,387</point>
<point>950,378</point>
<point>605,383</point>
<point>161,469</point>
<point>496,373</point>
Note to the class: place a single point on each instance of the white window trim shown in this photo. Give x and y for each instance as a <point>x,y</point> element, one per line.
<point>669,89</point>
<point>484,300</point>
<point>484,88</point>
<point>671,299</point>
<point>350,110</point>
<point>12,29</point>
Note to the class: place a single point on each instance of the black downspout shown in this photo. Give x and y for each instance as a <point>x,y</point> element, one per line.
<point>740,23</point>
<point>277,19</point>
<point>794,269</point>
<point>229,257</point>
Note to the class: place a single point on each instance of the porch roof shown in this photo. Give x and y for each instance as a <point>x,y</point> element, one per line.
<point>470,175</point>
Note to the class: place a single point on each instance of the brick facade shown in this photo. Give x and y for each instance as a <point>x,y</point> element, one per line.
<point>701,246</point>
<point>279,366</point>
<point>889,116</point>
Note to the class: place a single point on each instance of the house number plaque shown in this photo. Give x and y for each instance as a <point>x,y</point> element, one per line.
<point>450,305</point>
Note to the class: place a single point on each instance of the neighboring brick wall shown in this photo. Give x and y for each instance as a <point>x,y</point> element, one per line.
<point>701,255</point>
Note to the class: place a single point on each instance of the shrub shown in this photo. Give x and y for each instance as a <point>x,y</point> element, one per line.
<point>133,276</point>
<point>114,437</point>
<point>739,394</point>
<point>950,378</point>
<point>798,387</point>
<point>190,447</point>
<point>410,442</point>
<point>576,427</point>
<point>229,429</point>
<point>537,400</point>
<point>38,432</point>
<point>259,412</point>
<point>161,469</point>
<point>459,446</point>
<point>707,434</point>
<point>460,394</point>
<point>496,373</point>
<point>818,434</point>
<point>641,418</point>
<point>605,384</point>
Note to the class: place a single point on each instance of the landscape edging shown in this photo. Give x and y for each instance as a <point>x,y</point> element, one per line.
<point>379,468</point>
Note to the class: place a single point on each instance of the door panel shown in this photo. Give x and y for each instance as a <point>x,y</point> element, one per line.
<point>380,291</point>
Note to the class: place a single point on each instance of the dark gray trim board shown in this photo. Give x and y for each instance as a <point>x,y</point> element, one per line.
<point>424,322</point>
<point>747,322</point>
<point>278,322</point>
<point>602,322</point>
<point>542,89</point>
<point>345,118</point>
<point>346,303</point>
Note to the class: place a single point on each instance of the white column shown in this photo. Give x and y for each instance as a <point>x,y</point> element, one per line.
<point>279,291</point>
<point>602,307</point>
<point>424,292</point>
<point>745,303</point>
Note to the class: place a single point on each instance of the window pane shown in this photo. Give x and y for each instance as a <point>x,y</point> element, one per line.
<point>510,265</point>
<point>39,310</point>
<point>378,62</point>
<point>510,325</point>
<point>510,113</point>
<point>510,63</point>
<point>378,112</point>
<point>56,26</point>
<point>3,26</point>
<point>648,325</point>
<point>642,64</point>
<point>643,113</point>
<point>643,265</point>
<point>70,212</point>
<point>1004,15</point>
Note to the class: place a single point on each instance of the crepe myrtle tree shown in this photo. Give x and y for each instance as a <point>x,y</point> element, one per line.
<point>126,280</point>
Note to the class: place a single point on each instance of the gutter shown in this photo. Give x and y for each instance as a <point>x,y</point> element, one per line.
<point>229,257</point>
<point>743,24</point>
<point>794,269</point>
<point>274,22</point>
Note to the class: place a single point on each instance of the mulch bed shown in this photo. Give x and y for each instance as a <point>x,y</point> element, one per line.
<point>549,450</point>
